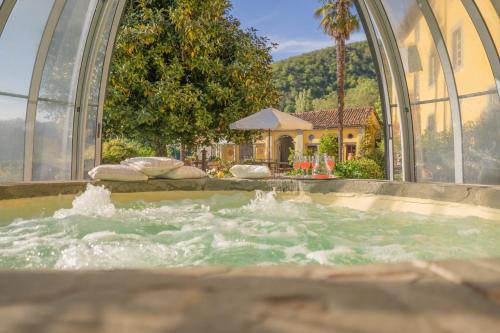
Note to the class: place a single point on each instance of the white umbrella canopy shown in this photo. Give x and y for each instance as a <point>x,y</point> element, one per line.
<point>271,119</point>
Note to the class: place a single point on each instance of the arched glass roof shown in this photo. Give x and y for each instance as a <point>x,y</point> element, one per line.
<point>54,59</point>
<point>438,66</point>
<point>440,73</point>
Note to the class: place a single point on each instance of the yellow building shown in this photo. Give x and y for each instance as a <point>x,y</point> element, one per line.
<point>325,123</point>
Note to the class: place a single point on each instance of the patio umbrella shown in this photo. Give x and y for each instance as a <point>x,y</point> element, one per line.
<point>271,119</point>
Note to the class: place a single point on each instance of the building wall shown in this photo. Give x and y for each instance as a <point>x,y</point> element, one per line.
<point>230,152</point>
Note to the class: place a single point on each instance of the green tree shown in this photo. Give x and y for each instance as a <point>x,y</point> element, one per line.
<point>329,145</point>
<point>303,101</point>
<point>338,22</point>
<point>183,70</point>
<point>316,71</point>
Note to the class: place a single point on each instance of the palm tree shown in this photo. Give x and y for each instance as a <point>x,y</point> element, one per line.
<point>338,22</point>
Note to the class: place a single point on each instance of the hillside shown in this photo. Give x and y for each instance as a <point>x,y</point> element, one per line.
<point>309,81</point>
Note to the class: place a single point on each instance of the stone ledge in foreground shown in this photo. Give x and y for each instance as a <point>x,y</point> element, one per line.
<point>449,296</point>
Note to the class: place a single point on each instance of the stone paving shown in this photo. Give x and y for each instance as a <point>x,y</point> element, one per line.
<point>451,296</point>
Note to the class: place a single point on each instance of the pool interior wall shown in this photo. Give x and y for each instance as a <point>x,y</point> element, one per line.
<point>478,195</point>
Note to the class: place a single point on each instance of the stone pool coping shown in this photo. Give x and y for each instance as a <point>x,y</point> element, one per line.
<point>487,196</point>
<point>449,296</point>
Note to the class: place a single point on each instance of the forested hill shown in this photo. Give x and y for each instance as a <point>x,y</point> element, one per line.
<point>309,81</point>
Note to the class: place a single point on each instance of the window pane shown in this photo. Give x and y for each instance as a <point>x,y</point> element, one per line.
<point>491,18</point>
<point>433,142</point>
<point>432,130</point>
<point>22,33</point>
<point>54,119</point>
<point>481,132</point>
<point>471,66</point>
<point>417,48</point>
<point>53,142</point>
<point>12,116</point>
<point>396,144</point>
<point>95,85</point>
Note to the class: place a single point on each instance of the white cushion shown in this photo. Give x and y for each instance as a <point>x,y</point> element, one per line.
<point>250,171</point>
<point>117,172</point>
<point>153,166</point>
<point>185,172</point>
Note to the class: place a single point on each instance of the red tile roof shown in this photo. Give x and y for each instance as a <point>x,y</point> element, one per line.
<point>324,119</point>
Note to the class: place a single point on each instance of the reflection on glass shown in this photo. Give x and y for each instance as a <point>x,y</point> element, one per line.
<point>95,85</point>
<point>433,135</point>
<point>22,33</point>
<point>53,142</point>
<point>490,16</point>
<point>470,64</point>
<point>54,119</point>
<point>434,160</point>
<point>417,49</point>
<point>481,133</point>
<point>12,114</point>
<point>397,148</point>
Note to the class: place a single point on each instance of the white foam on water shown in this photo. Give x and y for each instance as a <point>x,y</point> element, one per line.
<point>390,253</point>
<point>94,202</point>
<point>468,232</point>
<point>276,228</point>
<point>100,235</point>
<point>265,203</point>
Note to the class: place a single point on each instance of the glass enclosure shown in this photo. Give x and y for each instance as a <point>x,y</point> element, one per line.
<point>438,64</point>
<point>52,59</point>
<point>446,56</point>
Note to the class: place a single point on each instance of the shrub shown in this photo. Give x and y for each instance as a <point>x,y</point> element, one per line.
<point>363,168</point>
<point>329,145</point>
<point>116,150</point>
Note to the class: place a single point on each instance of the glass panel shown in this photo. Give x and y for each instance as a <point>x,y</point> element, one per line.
<point>433,142</point>
<point>22,33</point>
<point>481,132</point>
<point>490,16</point>
<point>471,66</point>
<point>396,144</point>
<point>397,149</point>
<point>12,115</point>
<point>54,119</point>
<point>433,134</point>
<point>417,49</point>
<point>95,85</point>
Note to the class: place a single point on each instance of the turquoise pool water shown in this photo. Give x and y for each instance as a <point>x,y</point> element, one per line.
<point>235,229</point>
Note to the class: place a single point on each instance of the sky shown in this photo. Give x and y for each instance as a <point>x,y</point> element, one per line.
<point>290,23</point>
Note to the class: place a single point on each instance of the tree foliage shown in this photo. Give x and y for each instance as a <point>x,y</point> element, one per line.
<point>329,145</point>
<point>303,101</point>
<point>316,71</point>
<point>183,70</point>
<point>116,150</point>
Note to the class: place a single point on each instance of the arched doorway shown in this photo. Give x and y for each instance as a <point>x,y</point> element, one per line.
<point>285,143</point>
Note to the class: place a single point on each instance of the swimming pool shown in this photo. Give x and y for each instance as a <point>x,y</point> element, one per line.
<point>172,229</point>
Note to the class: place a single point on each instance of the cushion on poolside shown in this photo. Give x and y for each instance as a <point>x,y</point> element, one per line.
<point>250,171</point>
<point>185,172</point>
<point>153,166</point>
<point>121,173</point>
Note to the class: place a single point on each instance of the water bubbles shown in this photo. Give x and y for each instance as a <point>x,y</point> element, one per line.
<point>95,201</point>
<point>233,229</point>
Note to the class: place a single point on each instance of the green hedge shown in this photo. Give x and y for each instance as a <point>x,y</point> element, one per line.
<point>363,168</point>
<point>116,150</point>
